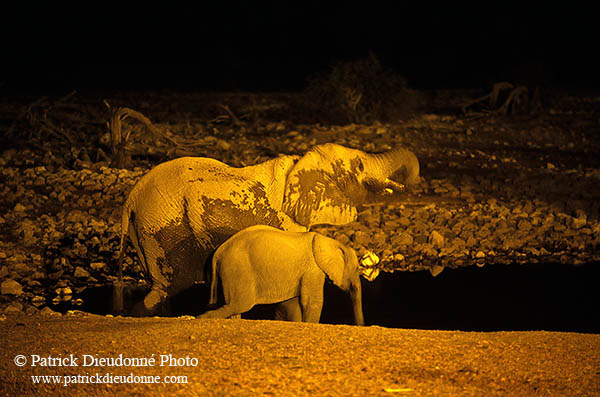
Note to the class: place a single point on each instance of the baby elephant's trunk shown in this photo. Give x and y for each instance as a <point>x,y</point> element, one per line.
<point>356,295</point>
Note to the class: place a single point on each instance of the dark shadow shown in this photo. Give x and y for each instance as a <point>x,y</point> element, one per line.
<point>550,297</point>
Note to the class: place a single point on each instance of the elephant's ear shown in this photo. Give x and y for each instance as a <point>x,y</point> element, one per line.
<point>329,257</point>
<point>322,188</point>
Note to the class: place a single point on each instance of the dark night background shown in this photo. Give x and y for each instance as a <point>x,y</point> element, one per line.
<point>271,46</point>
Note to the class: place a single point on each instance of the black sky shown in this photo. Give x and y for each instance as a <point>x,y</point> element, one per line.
<point>275,45</point>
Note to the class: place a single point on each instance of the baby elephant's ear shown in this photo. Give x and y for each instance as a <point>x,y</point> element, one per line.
<point>319,190</point>
<point>329,257</point>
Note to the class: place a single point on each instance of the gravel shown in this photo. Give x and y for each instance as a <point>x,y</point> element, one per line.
<point>253,357</point>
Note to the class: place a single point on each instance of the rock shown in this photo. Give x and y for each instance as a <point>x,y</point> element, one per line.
<point>102,265</point>
<point>404,221</point>
<point>19,208</point>
<point>578,223</point>
<point>14,307</point>
<point>471,241</point>
<point>361,238</point>
<point>33,283</point>
<point>435,270</point>
<point>38,300</point>
<point>20,268</point>
<point>379,240</point>
<point>458,243</point>
<point>369,259</point>
<point>30,310</point>
<point>81,272</point>
<point>420,239</point>
<point>10,287</point>
<point>524,225</point>
<point>436,239</point>
<point>426,249</point>
<point>3,271</point>
<point>398,257</point>
<point>480,254</point>
<point>27,230</point>
<point>528,207</point>
<point>66,291</point>
<point>49,312</point>
<point>38,275</point>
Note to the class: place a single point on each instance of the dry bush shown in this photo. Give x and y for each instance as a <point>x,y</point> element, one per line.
<point>360,91</point>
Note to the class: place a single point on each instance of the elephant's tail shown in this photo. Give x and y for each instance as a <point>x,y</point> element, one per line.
<point>119,286</point>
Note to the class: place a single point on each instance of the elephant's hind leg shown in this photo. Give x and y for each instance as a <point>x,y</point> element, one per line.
<point>234,309</point>
<point>226,311</point>
<point>155,299</point>
<point>289,310</point>
<point>153,303</point>
<point>239,294</point>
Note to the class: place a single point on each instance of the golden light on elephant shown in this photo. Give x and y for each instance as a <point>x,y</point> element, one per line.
<point>262,265</point>
<point>182,210</point>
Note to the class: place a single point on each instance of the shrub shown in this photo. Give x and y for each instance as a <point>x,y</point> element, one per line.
<point>360,91</point>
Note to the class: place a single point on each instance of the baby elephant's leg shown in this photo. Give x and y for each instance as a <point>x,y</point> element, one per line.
<point>311,296</point>
<point>222,312</point>
<point>240,296</point>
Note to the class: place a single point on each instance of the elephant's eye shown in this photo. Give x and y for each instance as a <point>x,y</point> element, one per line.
<point>361,166</point>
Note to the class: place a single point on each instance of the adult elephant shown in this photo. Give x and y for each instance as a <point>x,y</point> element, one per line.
<point>182,210</point>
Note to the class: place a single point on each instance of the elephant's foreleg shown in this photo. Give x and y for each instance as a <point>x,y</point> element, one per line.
<point>311,296</point>
<point>289,310</point>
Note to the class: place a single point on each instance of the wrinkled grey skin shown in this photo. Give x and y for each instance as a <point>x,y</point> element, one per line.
<point>262,265</point>
<point>182,210</point>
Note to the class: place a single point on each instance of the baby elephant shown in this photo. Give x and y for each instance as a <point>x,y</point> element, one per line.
<point>262,264</point>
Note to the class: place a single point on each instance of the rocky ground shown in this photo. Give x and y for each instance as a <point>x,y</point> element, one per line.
<point>495,189</point>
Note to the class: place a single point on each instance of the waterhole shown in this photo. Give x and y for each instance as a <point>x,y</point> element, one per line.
<point>550,297</point>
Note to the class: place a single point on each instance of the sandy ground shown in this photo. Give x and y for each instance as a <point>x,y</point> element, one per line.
<point>243,357</point>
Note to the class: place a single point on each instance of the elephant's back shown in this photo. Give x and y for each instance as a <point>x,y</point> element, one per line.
<point>176,172</point>
<point>261,236</point>
<point>262,243</point>
<point>184,167</point>
<point>157,198</point>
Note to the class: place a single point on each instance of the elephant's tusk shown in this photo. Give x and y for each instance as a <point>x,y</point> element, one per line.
<point>392,186</point>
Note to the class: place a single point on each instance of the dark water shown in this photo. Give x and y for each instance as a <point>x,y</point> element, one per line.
<point>550,297</point>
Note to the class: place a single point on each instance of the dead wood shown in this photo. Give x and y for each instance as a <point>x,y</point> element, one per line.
<point>517,100</point>
<point>236,121</point>
<point>59,118</point>
<point>163,144</point>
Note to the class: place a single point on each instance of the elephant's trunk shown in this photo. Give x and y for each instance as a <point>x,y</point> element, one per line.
<point>400,165</point>
<point>356,295</point>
